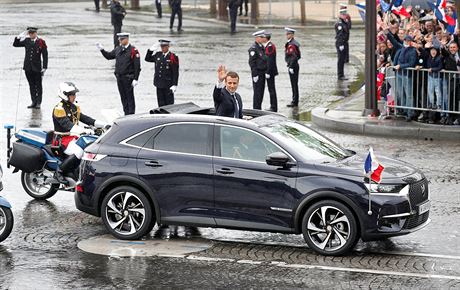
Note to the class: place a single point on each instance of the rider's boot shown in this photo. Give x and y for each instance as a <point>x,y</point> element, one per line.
<point>67,166</point>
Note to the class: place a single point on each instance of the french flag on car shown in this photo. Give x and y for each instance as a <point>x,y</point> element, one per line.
<point>372,167</point>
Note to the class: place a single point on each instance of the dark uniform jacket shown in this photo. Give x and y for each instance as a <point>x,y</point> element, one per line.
<point>34,53</point>
<point>342,33</point>
<point>270,52</point>
<point>257,60</point>
<point>117,12</point>
<point>166,68</point>
<point>66,115</point>
<point>224,103</point>
<point>234,4</point>
<point>175,4</point>
<point>128,62</point>
<point>292,53</point>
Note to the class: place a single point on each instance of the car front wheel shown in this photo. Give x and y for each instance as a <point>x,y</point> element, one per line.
<point>127,213</point>
<point>329,228</point>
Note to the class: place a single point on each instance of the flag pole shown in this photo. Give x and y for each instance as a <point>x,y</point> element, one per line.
<point>369,212</point>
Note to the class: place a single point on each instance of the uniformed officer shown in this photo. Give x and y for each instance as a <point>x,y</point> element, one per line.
<point>292,56</point>
<point>118,13</point>
<point>36,50</point>
<point>233,11</point>
<point>343,9</point>
<point>66,118</point>
<point>166,71</point>
<point>159,9</point>
<point>176,9</point>
<point>258,65</point>
<point>272,72</point>
<point>341,38</point>
<point>127,70</point>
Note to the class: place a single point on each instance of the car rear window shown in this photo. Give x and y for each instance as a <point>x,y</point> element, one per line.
<point>184,138</point>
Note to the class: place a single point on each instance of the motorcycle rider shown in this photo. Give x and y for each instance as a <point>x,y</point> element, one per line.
<point>66,118</point>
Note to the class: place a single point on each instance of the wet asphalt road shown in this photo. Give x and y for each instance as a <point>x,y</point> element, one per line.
<point>42,253</point>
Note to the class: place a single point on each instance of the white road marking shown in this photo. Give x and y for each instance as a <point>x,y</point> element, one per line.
<point>249,262</point>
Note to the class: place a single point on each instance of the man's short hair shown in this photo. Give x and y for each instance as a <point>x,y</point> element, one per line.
<point>232,74</point>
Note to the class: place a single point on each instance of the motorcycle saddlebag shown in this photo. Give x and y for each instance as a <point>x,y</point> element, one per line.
<point>26,157</point>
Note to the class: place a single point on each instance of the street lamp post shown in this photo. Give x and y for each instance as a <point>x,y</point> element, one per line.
<point>370,98</point>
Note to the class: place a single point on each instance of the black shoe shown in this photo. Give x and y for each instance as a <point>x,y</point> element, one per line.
<point>180,30</point>
<point>342,78</point>
<point>271,110</point>
<point>32,106</point>
<point>38,106</point>
<point>292,105</point>
<point>60,177</point>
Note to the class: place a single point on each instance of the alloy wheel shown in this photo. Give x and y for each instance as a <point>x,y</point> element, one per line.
<point>125,213</point>
<point>2,220</point>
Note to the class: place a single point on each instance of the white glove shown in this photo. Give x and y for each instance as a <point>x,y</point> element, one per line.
<point>341,47</point>
<point>78,130</point>
<point>267,76</point>
<point>154,47</point>
<point>100,124</point>
<point>99,46</point>
<point>291,71</point>
<point>23,35</point>
<point>43,71</point>
<point>173,89</point>
<point>255,79</point>
<point>134,83</point>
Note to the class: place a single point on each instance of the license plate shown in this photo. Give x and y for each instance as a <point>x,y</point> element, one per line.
<point>423,208</point>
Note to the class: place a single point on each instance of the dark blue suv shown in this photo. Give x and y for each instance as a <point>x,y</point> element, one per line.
<point>268,173</point>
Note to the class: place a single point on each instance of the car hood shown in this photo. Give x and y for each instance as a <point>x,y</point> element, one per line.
<point>395,171</point>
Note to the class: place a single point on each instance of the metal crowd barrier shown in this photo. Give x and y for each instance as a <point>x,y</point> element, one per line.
<point>419,90</point>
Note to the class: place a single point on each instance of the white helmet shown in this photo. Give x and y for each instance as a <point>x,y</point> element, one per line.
<point>67,89</point>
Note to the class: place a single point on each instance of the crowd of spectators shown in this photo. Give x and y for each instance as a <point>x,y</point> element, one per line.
<point>419,64</point>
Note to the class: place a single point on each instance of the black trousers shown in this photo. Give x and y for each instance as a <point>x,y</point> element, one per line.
<point>295,84</point>
<point>126,91</point>
<point>165,97</point>
<point>341,56</point>
<point>175,11</point>
<point>116,29</point>
<point>245,2</point>
<point>233,15</point>
<point>159,9</point>
<point>272,91</point>
<point>347,52</point>
<point>96,3</point>
<point>35,86</point>
<point>259,88</point>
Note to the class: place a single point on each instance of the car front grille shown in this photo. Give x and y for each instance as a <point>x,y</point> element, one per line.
<point>415,221</point>
<point>418,193</point>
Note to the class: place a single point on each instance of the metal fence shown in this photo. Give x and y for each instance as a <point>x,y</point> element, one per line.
<point>411,91</point>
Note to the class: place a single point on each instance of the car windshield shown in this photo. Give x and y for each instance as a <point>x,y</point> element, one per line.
<point>306,142</point>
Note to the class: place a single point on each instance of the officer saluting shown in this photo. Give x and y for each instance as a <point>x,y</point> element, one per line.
<point>342,34</point>
<point>292,56</point>
<point>35,49</point>
<point>127,70</point>
<point>272,72</point>
<point>258,65</point>
<point>166,71</point>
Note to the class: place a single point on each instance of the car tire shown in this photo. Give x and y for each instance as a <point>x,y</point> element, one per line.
<point>127,213</point>
<point>330,228</point>
<point>34,190</point>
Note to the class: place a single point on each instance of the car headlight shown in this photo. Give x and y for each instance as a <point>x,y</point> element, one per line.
<point>388,188</point>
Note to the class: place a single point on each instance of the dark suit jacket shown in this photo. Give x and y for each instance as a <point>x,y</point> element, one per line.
<point>224,103</point>
<point>35,51</point>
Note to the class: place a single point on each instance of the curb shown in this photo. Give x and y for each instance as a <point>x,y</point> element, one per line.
<point>419,131</point>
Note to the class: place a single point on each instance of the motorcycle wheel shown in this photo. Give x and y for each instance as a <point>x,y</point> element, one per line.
<point>6,222</point>
<point>35,190</point>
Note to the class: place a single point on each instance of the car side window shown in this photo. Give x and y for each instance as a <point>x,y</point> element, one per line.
<point>184,138</point>
<point>144,139</point>
<point>244,144</point>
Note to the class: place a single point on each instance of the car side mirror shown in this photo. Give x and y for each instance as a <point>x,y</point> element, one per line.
<point>279,159</point>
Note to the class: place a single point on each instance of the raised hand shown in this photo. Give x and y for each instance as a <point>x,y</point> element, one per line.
<point>221,72</point>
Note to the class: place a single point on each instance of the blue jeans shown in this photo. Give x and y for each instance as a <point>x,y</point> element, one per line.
<point>434,87</point>
<point>405,88</point>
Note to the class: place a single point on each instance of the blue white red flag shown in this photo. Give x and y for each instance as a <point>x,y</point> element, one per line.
<point>372,167</point>
<point>362,10</point>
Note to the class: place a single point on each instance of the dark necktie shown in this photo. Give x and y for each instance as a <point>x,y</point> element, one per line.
<point>236,107</point>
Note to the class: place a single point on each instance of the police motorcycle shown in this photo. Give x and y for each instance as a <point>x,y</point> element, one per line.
<point>38,153</point>
<point>6,216</point>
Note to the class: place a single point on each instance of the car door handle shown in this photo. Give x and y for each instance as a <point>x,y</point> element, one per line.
<point>152,163</point>
<point>225,171</point>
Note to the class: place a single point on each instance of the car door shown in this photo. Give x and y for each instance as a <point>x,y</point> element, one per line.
<point>176,162</point>
<point>248,192</point>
